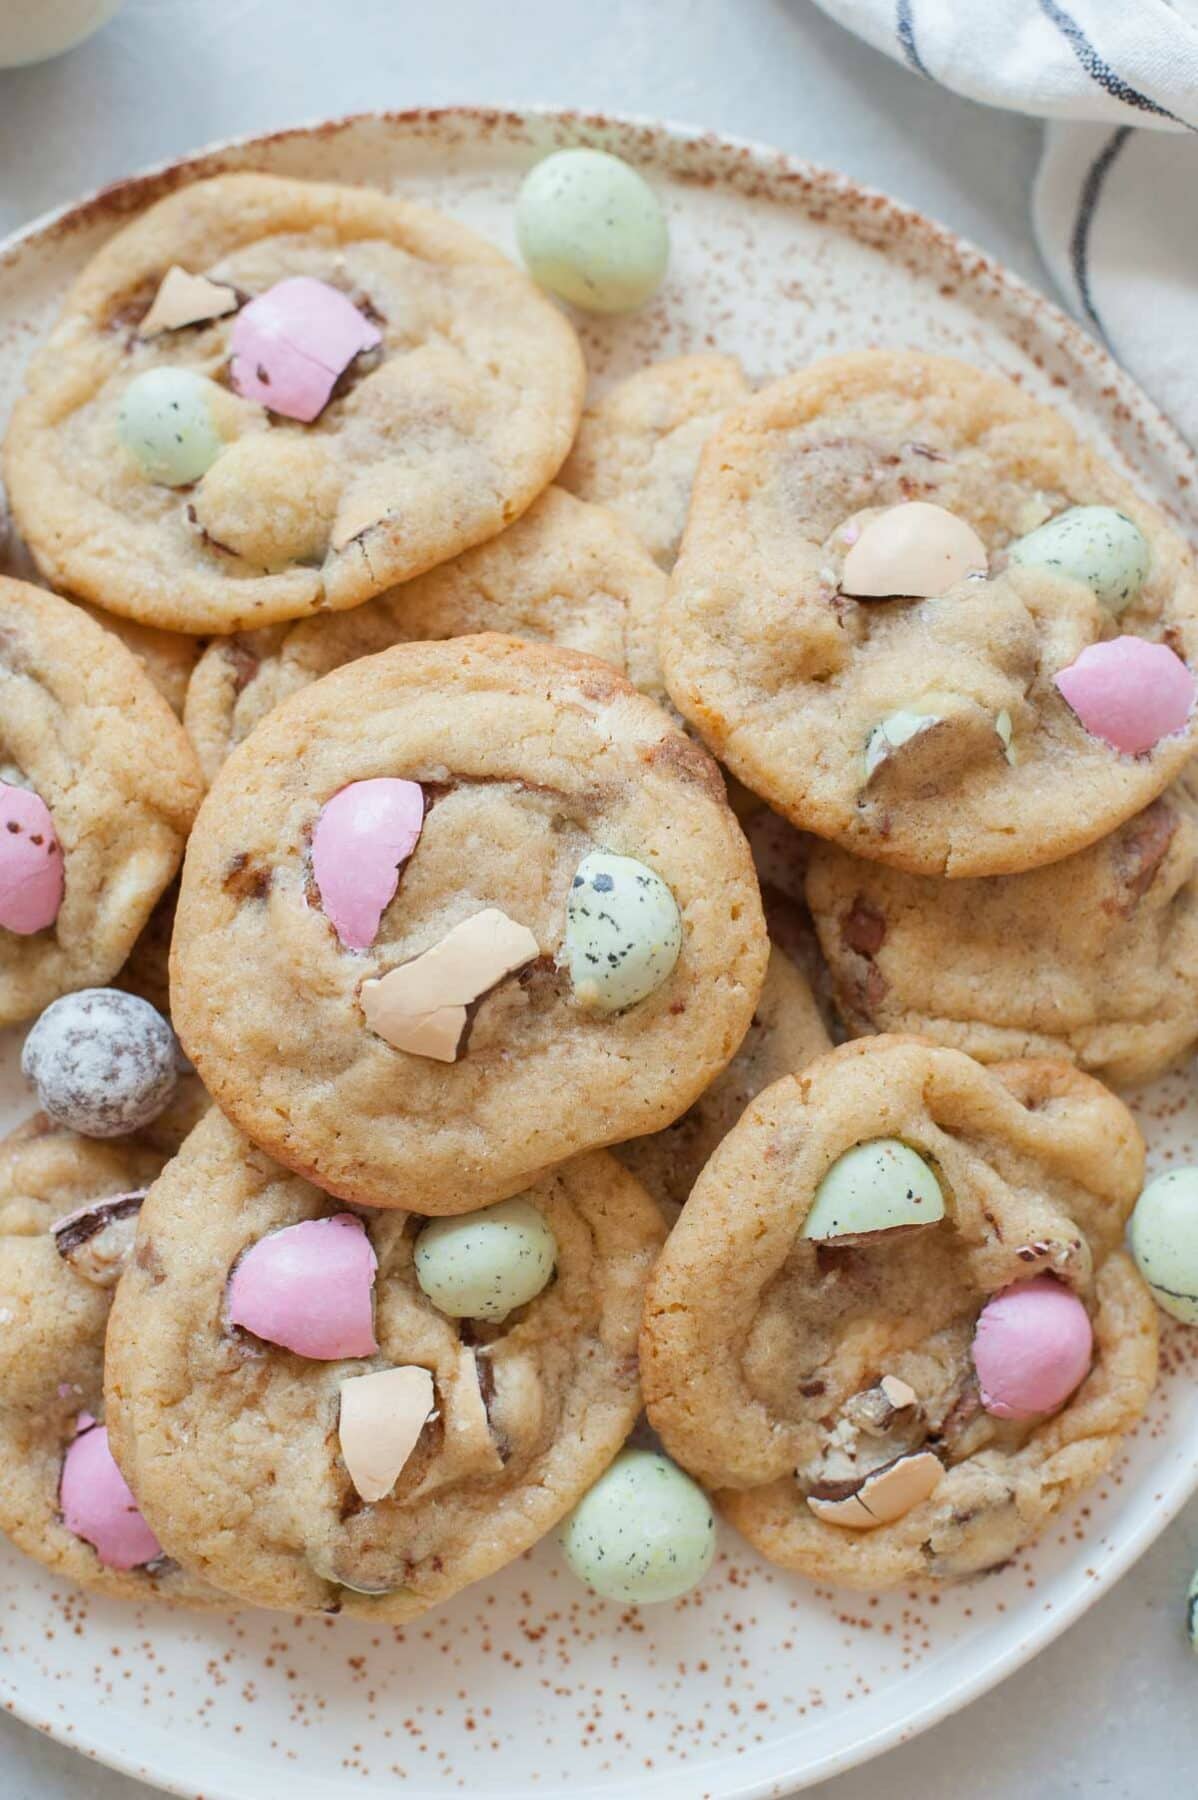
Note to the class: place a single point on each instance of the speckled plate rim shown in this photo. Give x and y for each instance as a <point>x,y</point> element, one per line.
<point>873,216</point>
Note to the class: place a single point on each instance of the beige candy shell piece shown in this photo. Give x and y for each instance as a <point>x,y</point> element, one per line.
<point>421,1006</point>
<point>917,549</point>
<point>185,299</point>
<point>882,1498</point>
<point>382,1416</point>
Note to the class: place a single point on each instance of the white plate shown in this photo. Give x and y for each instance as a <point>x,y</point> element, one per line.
<point>759,1683</point>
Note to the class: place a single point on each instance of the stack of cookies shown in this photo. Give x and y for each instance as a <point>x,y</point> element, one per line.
<point>475,1079</point>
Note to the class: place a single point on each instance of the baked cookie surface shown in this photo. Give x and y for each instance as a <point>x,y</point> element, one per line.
<point>560,814</point>
<point>639,444</point>
<point>786,1034</point>
<point>233,1442</point>
<point>930,732</point>
<point>448,421</point>
<point>1094,958</point>
<point>790,1361</point>
<point>565,573</point>
<point>55,1293</point>
<point>98,787</point>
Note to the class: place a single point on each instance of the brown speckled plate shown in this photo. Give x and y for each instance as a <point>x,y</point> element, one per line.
<point>759,1683</point>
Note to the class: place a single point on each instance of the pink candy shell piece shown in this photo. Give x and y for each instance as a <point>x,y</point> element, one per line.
<point>1033,1345</point>
<point>31,878</point>
<point>308,1288</point>
<point>292,342</point>
<point>362,836</point>
<point>1129,692</point>
<point>98,1506</point>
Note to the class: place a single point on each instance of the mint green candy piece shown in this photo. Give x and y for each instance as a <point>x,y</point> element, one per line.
<point>1164,1241</point>
<point>592,231</point>
<point>485,1264</point>
<point>644,1533</point>
<point>1095,545</point>
<point>892,734</point>
<point>167,425</point>
<point>623,931</point>
<point>877,1186</point>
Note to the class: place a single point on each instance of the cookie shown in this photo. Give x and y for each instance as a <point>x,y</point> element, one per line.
<point>566,573</point>
<point>364,389</point>
<point>828,1334</point>
<point>786,1034</point>
<point>56,1287</point>
<point>639,444</point>
<point>250,1454</point>
<point>98,788</point>
<point>1094,958</point>
<point>573,954</point>
<point>168,657</point>
<point>861,626</point>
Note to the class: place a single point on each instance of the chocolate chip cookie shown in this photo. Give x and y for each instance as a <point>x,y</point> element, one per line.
<point>98,788</point>
<point>256,1447</point>
<point>456,912</point>
<point>921,618</point>
<point>267,398</point>
<point>827,1337</point>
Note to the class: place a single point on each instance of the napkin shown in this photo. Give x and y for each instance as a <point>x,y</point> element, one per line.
<point>1114,207</point>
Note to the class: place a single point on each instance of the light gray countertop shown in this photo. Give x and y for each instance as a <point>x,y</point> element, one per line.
<point>1112,1708</point>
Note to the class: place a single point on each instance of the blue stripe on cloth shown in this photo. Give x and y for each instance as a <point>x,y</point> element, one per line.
<point>904,31</point>
<point>1079,243</point>
<point>1098,70</point>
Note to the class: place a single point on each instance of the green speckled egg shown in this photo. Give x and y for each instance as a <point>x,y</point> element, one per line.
<point>1192,1612</point>
<point>486,1264</point>
<point>874,1187</point>
<point>592,231</point>
<point>1092,544</point>
<point>623,931</point>
<point>1164,1241</point>
<point>644,1533</point>
<point>166,423</point>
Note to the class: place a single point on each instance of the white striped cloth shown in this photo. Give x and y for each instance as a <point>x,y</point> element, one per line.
<point>1116,200</point>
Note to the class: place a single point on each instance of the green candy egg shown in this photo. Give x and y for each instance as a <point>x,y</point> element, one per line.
<point>877,1186</point>
<point>486,1264</point>
<point>167,425</point>
<point>1092,544</point>
<point>644,1533</point>
<point>1164,1241</point>
<point>1192,1612</point>
<point>592,231</point>
<point>623,931</point>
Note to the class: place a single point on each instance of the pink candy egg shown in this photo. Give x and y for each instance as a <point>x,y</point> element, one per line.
<point>97,1504</point>
<point>31,878</point>
<point>362,836</point>
<point>1032,1347</point>
<point>308,1288</point>
<point>1129,692</point>
<point>292,342</point>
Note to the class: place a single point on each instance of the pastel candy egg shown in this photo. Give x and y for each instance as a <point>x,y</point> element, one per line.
<point>167,425</point>
<point>1192,1611</point>
<point>1164,1241</point>
<point>98,1506</point>
<point>878,1186</point>
<point>1032,1346</point>
<point>362,836</point>
<point>893,732</point>
<point>290,345</point>
<point>103,1062</point>
<point>644,1533</point>
<point>309,1288</point>
<point>592,231</point>
<point>623,931</point>
<point>1101,548</point>
<point>1128,692</point>
<point>484,1265</point>
<point>31,877</point>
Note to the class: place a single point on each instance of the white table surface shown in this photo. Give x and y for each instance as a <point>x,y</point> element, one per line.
<point>1110,1710</point>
